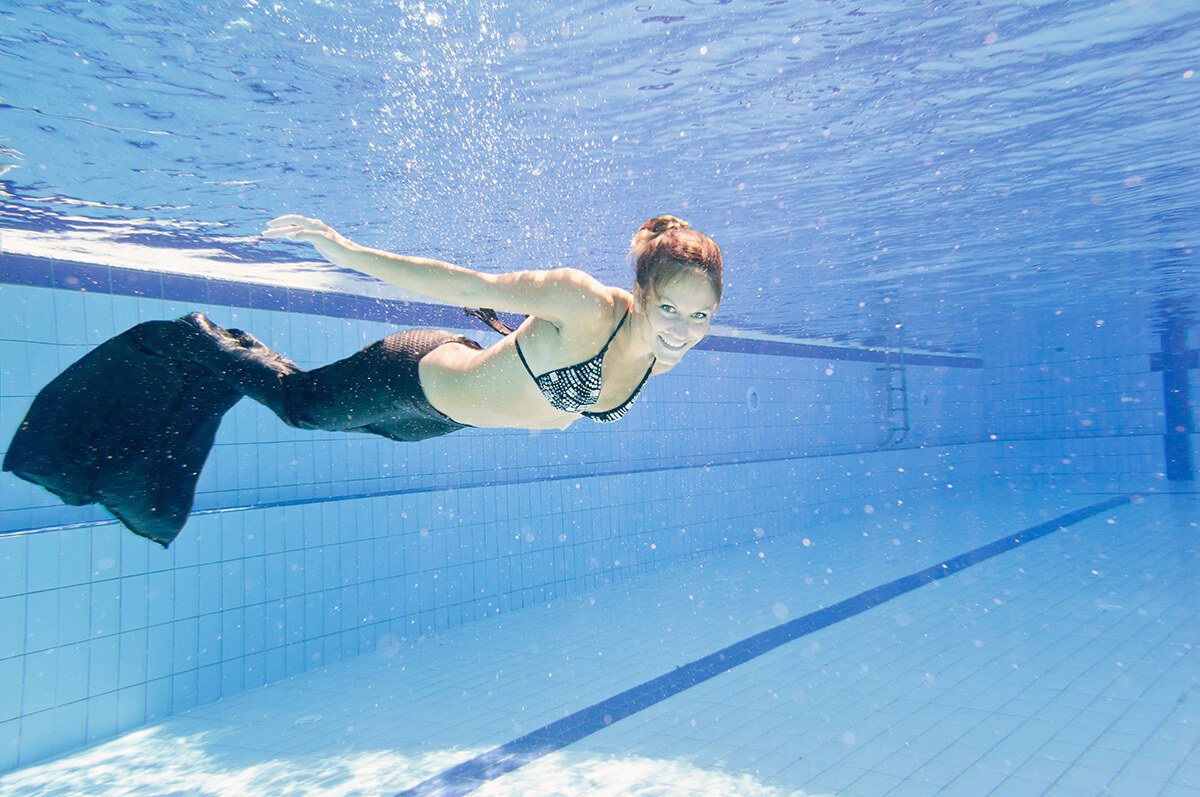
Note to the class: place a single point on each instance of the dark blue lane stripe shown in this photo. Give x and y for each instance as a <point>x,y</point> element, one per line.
<point>470,775</point>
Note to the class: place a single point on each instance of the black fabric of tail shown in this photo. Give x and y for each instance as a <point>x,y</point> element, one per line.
<point>127,428</point>
<point>131,424</point>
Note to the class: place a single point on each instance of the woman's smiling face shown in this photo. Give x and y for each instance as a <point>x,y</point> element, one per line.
<point>677,316</point>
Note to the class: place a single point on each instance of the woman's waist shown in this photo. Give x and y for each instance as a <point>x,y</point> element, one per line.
<point>490,394</point>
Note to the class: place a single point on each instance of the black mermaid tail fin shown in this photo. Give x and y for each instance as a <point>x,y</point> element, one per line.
<point>130,425</point>
<point>128,428</point>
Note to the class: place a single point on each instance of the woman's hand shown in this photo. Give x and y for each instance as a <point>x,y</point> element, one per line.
<point>301,228</point>
<point>331,244</point>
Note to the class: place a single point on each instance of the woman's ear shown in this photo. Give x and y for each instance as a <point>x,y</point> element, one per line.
<point>639,296</point>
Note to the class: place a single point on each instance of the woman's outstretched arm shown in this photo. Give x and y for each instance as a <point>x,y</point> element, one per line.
<point>560,294</point>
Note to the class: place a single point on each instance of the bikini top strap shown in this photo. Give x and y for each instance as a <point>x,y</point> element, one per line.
<point>525,362</point>
<point>608,342</point>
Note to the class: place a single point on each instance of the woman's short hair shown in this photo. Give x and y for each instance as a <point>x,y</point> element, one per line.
<point>666,247</point>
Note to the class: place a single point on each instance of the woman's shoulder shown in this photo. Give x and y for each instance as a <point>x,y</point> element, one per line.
<point>580,281</point>
<point>590,300</point>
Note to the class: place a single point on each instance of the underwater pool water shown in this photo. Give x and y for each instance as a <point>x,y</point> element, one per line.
<point>919,517</point>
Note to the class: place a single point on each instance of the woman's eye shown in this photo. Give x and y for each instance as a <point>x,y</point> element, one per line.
<point>666,308</point>
<point>699,316</point>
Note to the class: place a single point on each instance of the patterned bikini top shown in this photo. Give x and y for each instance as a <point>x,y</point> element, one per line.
<point>577,386</point>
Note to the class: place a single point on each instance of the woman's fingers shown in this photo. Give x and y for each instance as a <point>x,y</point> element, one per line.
<point>292,220</point>
<point>297,228</point>
<point>303,222</point>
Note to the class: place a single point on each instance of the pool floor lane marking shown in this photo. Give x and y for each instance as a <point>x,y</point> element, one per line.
<point>472,774</point>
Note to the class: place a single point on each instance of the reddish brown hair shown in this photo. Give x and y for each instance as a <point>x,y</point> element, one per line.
<point>666,247</point>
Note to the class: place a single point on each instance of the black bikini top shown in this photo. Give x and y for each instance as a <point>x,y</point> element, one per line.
<point>575,387</point>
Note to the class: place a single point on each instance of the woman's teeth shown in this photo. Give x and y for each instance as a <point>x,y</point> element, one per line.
<point>670,346</point>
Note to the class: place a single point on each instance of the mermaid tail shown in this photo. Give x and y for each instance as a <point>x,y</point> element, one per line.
<point>130,425</point>
<point>127,428</point>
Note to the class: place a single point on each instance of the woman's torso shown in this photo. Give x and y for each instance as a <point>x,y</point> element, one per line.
<point>493,388</point>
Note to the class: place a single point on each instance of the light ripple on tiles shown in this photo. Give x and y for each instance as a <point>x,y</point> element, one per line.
<point>155,762</point>
<point>567,774</point>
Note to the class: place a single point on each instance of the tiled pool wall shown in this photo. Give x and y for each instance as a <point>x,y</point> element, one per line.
<point>1077,399</point>
<point>311,547</point>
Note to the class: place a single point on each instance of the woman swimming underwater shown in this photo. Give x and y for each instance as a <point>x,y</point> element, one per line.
<point>130,425</point>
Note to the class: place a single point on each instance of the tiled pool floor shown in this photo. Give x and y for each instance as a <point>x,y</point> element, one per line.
<point>1067,666</point>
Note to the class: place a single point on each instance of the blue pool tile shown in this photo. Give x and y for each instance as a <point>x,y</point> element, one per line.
<point>184,690</point>
<point>70,720</point>
<point>294,573</point>
<point>106,607</point>
<point>275,664</point>
<point>232,634</point>
<point>75,556</point>
<point>208,541</point>
<point>339,305</point>
<point>186,549</point>
<point>185,643</point>
<point>160,651</point>
<point>208,685</point>
<point>232,676</point>
<point>40,681</point>
<point>184,289</point>
<point>12,629</point>
<point>103,663</point>
<point>232,584</point>
<point>294,620</point>
<point>270,297</point>
<point>105,551</point>
<point>209,651</point>
<point>160,597</point>
<point>228,294</point>
<point>135,554</point>
<point>255,670</point>
<point>295,659</point>
<point>275,624</point>
<point>254,576</point>
<point>331,649</point>
<point>255,629</point>
<point>42,620</point>
<point>185,583</point>
<point>307,302</point>
<point>315,615</point>
<point>102,717</point>
<point>135,602</point>
<point>349,642</point>
<point>313,651</point>
<point>132,665</point>
<point>136,282</point>
<point>72,674</point>
<point>11,673</point>
<point>233,536</point>
<point>254,528</point>
<point>38,736</point>
<point>209,581</point>
<point>10,744</point>
<point>70,325</point>
<point>159,699</point>
<point>131,708</point>
<point>43,563</point>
